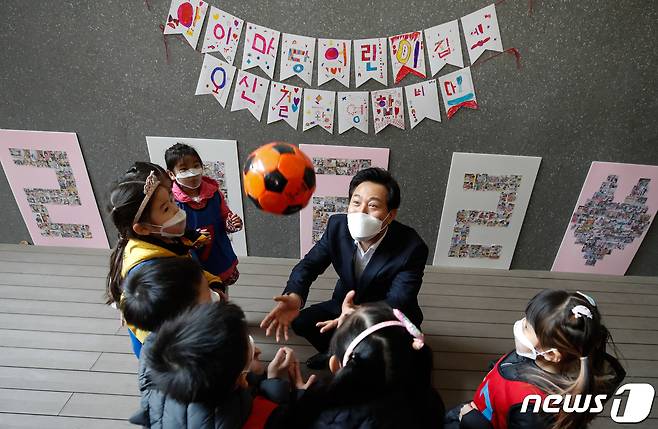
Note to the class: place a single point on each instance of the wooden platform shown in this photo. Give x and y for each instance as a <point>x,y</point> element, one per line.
<point>65,361</point>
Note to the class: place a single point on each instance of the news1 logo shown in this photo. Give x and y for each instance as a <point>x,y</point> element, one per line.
<point>638,404</point>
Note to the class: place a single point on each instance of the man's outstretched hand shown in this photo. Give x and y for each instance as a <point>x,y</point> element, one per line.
<point>279,319</point>
<point>347,308</point>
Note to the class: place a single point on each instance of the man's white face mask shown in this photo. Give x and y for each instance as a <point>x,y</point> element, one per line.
<point>363,226</point>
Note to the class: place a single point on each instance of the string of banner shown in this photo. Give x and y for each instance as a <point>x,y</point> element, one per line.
<point>298,56</point>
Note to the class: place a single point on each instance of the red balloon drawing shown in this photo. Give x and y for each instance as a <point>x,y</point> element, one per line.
<point>185,14</point>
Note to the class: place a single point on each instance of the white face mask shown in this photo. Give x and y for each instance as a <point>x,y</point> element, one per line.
<point>177,223</point>
<point>523,345</point>
<point>363,226</point>
<point>185,176</point>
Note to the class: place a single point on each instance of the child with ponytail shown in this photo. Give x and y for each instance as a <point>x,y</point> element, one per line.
<point>560,350</point>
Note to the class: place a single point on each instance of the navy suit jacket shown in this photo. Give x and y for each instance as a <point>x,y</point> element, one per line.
<point>394,273</point>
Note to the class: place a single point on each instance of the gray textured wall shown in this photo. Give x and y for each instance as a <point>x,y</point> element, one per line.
<point>587,91</point>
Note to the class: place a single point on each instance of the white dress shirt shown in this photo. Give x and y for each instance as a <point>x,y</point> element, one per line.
<point>362,258</point>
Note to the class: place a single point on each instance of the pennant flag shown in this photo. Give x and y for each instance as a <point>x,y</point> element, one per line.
<point>319,109</point>
<point>387,108</point>
<point>370,61</point>
<point>222,34</point>
<point>481,32</point>
<point>260,48</point>
<point>353,111</point>
<point>407,55</point>
<point>250,92</point>
<point>457,90</point>
<point>216,78</point>
<point>423,102</point>
<point>444,46</point>
<point>334,61</point>
<point>186,18</point>
<point>297,55</point>
<point>285,103</point>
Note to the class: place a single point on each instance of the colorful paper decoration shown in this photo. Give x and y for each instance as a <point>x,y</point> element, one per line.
<point>370,61</point>
<point>216,78</point>
<point>615,208</point>
<point>481,32</point>
<point>222,34</point>
<point>319,109</point>
<point>457,91</point>
<point>260,48</point>
<point>48,177</point>
<point>485,204</point>
<point>407,55</point>
<point>444,46</point>
<point>186,18</point>
<point>285,103</point>
<point>250,92</point>
<point>353,111</point>
<point>387,108</point>
<point>422,102</point>
<point>297,56</point>
<point>334,61</point>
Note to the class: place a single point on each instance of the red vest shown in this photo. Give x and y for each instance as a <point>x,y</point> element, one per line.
<point>260,412</point>
<point>496,395</point>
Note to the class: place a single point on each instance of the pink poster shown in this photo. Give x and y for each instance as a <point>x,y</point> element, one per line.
<point>613,214</point>
<point>49,180</point>
<point>334,168</point>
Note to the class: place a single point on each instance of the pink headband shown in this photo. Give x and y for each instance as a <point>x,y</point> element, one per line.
<point>418,342</point>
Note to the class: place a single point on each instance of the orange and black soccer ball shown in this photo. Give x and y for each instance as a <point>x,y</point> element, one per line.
<point>279,178</point>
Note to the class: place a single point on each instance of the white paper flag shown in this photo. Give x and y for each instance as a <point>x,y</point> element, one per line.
<point>260,48</point>
<point>319,109</point>
<point>481,32</point>
<point>444,46</point>
<point>250,92</point>
<point>186,18</point>
<point>216,78</point>
<point>222,34</point>
<point>407,55</point>
<point>457,91</point>
<point>297,56</point>
<point>370,61</point>
<point>285,103</point>
<point>423,102</point>
<point>387,108</point>
<point>353,111</point>
<point>334,61</point>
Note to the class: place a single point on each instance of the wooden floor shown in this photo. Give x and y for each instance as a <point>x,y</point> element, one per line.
<point>65,362</point>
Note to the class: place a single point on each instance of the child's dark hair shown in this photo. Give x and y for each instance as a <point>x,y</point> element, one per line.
<point>126,195</point>
<point>160,289</point>
<point>581,341</point>
<point>178,152</point>
<point>382,177</point>
<point>199,355</point>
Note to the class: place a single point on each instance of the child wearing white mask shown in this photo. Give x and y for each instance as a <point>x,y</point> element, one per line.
<point>560,350</point>
<point>207,211</point>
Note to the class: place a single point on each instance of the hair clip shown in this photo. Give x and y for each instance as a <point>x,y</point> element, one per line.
<point>150,185</point>
<point>419,337</point>
<point>588,298</point>
<point>581,310</point>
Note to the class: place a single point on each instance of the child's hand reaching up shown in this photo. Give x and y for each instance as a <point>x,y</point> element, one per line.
<point>296,377</point>
<point>233,223</point>
<point>279,367</point>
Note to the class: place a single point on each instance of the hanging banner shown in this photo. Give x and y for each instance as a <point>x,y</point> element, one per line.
<point>407,55</point>
<point>422,102</point>
<point>444,46</point>
<point>186,18</point>
<point>319,109</point>
<point>457,91</point>
<point>387,108</point>
<point>216,78</point>
<point>370,61</point>
<point>353,111</point>
<point>222,34</point>
<point>285,103</point>
<point>334,61</point>
<point>297,55</point>
<point>481,32</point>
<point>260,48</point>
<point>250,92</point>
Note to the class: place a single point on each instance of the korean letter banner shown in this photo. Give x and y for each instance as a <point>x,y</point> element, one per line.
<point>353,111</point>
<point>186,18</point>
<point>297,55</point>
<point>319,109</point>
<point>260,48</point>
<point>423,102</point>
<point>285,103</point>
<point>407,55</point>
<point>250,92</point>
<point>222,34</point>
<point>334,61</point>
<point>387,108</point>
<point>457,91</point>
<point>444,46</point>
<point>481,32</point>
<point>216,78</point>
<point>370,61</point>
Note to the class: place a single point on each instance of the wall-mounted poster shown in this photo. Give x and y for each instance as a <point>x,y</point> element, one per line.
<point>220,162</point>
<point>615,208</point>
<point>486,200</point>
<point>186,17</point>
<point>334,168</point>
<point>48,177</point>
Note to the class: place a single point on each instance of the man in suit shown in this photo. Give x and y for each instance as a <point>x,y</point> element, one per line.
<point>375,256</point>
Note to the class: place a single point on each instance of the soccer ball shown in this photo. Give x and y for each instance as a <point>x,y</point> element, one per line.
<point>279,178</point>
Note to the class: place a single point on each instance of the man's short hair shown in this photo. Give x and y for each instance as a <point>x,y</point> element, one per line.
<point>382,177</point>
